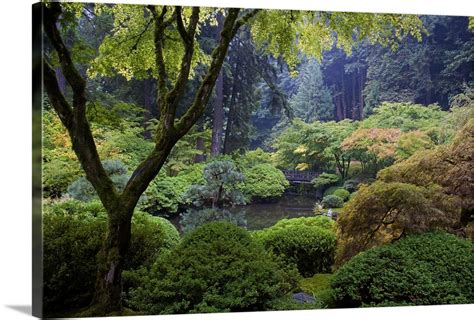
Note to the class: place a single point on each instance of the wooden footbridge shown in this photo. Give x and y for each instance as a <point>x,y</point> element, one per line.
<point>299,177</point>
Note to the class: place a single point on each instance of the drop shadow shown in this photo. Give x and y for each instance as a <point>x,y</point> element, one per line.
<point>25,309</point>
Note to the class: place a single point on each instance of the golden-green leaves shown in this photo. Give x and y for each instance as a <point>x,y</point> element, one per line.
<point>129,49</point>
<point>286,34</point>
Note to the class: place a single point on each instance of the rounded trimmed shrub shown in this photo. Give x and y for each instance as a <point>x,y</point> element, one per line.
<point>325,180</point>
<point>73,232</point>
<point>217,267</point>
<point>150,236</point>
<point>310,247</point>
<point>332,201</point>
<point>72,236</point>
<point>342,193</point>
<point>432,268</point>
<point>319,221</point>
<point>264,181</point>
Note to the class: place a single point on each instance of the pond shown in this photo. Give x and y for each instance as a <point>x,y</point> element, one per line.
<point>257,216</point>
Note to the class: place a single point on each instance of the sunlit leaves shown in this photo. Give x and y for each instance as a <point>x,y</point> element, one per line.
<point>411,142</point>
<point>129,49</point>
<point>309,146</point>
<point>379,142</point>
<point>287,33</point>
<point>382,212</point>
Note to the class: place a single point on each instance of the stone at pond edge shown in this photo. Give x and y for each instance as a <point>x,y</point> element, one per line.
<point>302,297</point>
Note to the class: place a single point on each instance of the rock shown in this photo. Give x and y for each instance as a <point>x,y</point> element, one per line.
<point>302,297</point>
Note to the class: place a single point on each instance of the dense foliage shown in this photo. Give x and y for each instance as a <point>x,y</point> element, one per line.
<point>216,268</point>
<point>432,268</point>
<point>264,181</point>
<point>332,201</point>
<point>325,180</point>
<point>192,113</point>
<point>73,234</point>
<point>450,166</point>
<point>342,193</point>
<point>307,242</point>
<point>383,212</point>
<point>320,221</point>
<point>312,100</point>
<point>82,189</point>
<point>220,188</point>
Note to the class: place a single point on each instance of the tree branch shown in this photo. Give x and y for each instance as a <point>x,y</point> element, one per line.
<point>188,38</point>
<point>56,98</point>
<point>167,137</point>
<point>181,29</point>
<point>72,76</point>
<point>205,90</point>
<point>74,119</point>
<point>243,20</point>
<point>159,59</point>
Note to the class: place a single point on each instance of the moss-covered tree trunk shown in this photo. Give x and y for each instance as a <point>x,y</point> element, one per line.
<point>120,207</point>
<point>111,258</point>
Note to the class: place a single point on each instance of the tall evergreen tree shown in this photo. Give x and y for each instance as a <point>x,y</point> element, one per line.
<point>313,100</point>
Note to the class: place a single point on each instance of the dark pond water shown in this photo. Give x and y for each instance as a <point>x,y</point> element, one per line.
<point>262,215</point>
<point>257,216</point>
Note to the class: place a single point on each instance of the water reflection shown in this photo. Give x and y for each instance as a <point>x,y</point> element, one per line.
<point>254,216</point>
<point>262,215</point>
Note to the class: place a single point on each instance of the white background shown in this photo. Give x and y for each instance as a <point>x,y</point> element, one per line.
<point>15,155</point>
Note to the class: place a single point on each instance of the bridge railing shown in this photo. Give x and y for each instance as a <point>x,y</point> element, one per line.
<point>296,175</point>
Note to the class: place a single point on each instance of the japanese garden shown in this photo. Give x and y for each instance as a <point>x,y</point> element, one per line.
<point>222,160</point>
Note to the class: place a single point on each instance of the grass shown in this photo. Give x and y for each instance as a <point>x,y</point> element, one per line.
<point>319,286</point>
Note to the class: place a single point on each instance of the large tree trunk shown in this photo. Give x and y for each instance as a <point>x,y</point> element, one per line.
<point>199,146</point>
<point>230,116</point>
<point>218,117</point>
<point>361,97</point>
<point>339,106</point>
<point>61,80</point>
<point>354,98</point>
<point>343,97</point>
<point>108,288</point>
<point>120,206</point>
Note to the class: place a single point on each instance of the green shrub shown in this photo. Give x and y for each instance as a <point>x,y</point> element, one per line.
<point>72,236</point>
<point>350,185</point>
<point>319,221</point>
<point>217,267</point>
<point>432,268</point>
<point>330,190</point>
<point>264,181</point>
<point>332,201</point>
<point>73,232</point>
<point>220,188</point>
<point>310,247</point>
<point>342,193</point>
<point>150,235</point>
<point>320,287</point>
<point>82,189</point>
<point>58,175</point>
<point>253,158</point>
<point>164,195</point>
<point>325,180</point>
